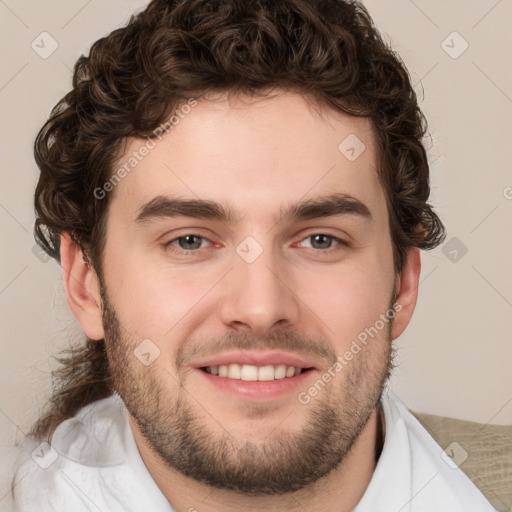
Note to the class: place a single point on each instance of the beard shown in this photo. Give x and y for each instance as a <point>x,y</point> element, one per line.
<point>178,430</point>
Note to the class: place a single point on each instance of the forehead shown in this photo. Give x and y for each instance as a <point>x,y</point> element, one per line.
<point>254,155</point>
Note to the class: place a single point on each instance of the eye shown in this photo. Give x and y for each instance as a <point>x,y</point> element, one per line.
<point>323,242</point>
<point>188,243</point>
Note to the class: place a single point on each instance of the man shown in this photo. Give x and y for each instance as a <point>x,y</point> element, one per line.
<point>237,194</point>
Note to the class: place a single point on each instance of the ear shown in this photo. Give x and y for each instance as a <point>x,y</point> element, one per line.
<point>406,287</point>
<point>82,288</point>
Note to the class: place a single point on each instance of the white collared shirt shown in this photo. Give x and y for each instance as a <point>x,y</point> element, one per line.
<point>94,464</point>
<point>413,474</point>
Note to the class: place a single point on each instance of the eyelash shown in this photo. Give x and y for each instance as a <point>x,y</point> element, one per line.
<point>170,244</point>
<point>330,250</point>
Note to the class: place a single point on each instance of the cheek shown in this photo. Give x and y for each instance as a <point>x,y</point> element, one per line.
<point>349,300</point>
<point>151,299</point>
<point>154,300</point>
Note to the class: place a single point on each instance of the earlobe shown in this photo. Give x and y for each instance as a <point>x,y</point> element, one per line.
<point>82,288</point>
<point>406,287</point>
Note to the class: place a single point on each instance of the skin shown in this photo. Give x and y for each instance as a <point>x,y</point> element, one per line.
<point>257,157</point>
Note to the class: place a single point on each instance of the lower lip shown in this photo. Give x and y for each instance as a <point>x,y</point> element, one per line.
<point>255,389</point>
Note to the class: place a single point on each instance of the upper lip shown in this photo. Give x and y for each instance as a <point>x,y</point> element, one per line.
<point>255,358</point>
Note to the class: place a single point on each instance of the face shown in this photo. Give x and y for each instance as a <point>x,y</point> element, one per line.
<point>250,257</point>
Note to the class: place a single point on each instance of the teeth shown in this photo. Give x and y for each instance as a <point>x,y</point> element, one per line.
<point>266,373</point>
<point>280,372</point>
<point>250,372</point>
<point>234,371</point>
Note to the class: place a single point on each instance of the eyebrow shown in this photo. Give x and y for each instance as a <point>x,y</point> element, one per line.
<point>327,206</point>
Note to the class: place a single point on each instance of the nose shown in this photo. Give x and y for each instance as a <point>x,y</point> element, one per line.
<point>259,297</point>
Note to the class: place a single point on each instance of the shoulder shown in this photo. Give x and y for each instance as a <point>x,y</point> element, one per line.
<point>437,483</point>
<point>80,447</point>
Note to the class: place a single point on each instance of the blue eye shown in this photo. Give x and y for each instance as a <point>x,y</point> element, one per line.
<point>192,243</point>
<point>323,242</point>
<point>188,243</point>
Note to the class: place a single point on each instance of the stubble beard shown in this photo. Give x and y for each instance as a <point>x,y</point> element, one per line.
<point>178,429</point>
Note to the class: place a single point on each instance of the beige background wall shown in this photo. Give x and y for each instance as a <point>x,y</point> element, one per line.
<point>455,358</point>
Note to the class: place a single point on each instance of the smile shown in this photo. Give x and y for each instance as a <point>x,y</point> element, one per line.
<point>249,372</point>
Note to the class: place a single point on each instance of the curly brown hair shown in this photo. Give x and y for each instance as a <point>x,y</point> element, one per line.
<point>136,77</point>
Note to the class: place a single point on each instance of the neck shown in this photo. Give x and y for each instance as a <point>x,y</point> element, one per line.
<point>344,486</point>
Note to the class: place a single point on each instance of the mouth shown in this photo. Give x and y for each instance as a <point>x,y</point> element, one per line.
<point>257,375</point>
<point>251,373</point>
